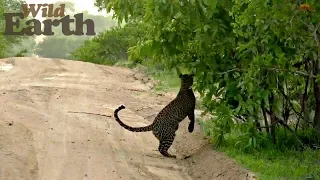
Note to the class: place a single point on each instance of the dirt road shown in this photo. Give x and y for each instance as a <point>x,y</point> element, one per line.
<point>39,139</point>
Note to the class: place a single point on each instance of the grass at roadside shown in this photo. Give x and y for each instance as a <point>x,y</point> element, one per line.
<point>167,81</point>
<point>270,164</point>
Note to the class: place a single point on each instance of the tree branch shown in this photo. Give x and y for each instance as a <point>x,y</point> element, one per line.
<point>181,22</point>
<point>231,70</point>
<point>270,68</point>
<point>314,33</point>
<point>291,71</point>
<point>89,113</point>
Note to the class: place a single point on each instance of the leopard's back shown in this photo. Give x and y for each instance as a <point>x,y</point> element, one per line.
<point>179,108</point>
<point>168,119</point>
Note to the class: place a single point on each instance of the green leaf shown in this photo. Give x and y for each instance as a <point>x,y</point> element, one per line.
<point>318,79</point>
<point>109,7</point>
<point>296,105</point>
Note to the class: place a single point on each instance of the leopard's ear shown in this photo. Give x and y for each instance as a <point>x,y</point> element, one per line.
<point>180,75</point>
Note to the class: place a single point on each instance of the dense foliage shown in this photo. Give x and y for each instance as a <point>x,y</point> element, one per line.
<point>256,62</point>
<point>110,46</point>
<point>6,41</point>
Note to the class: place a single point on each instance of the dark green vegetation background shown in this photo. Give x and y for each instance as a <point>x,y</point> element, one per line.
<point>257,66</point>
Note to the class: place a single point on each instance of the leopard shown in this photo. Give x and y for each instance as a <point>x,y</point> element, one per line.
<point>166,122</point>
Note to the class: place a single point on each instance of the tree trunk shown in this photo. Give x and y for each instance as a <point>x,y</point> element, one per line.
<point>304,103</point>
<point>317,110</point>
<point>316,72</point>
<point>273,119</point>
<point>266,124</point>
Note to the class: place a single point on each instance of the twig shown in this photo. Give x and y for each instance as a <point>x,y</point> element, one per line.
<point>241,118</point>
<point>288,100</point>
<point>235,69</point>
<point>314,33</point>
<point>90,113</point>
<point>180,22</point>
<point>291,20</point>
<point>296,72</point>
<point>265,127</point>
<point>314,30</point>
<point>221,173</point>
<point>269,68</point>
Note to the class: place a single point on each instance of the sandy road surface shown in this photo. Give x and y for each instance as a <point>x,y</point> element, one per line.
<point>39,139</point>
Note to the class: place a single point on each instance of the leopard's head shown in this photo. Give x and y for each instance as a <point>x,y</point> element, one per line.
<point>186,80</point>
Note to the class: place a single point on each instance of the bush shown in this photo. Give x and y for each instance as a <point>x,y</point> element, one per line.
<point>111,45</point>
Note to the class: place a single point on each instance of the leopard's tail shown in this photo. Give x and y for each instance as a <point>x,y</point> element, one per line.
<point>133,129</point>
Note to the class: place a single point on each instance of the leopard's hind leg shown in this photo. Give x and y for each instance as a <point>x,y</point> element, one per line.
<point>165,144</point>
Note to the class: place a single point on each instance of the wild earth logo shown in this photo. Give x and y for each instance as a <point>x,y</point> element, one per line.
<point>48,10</point>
